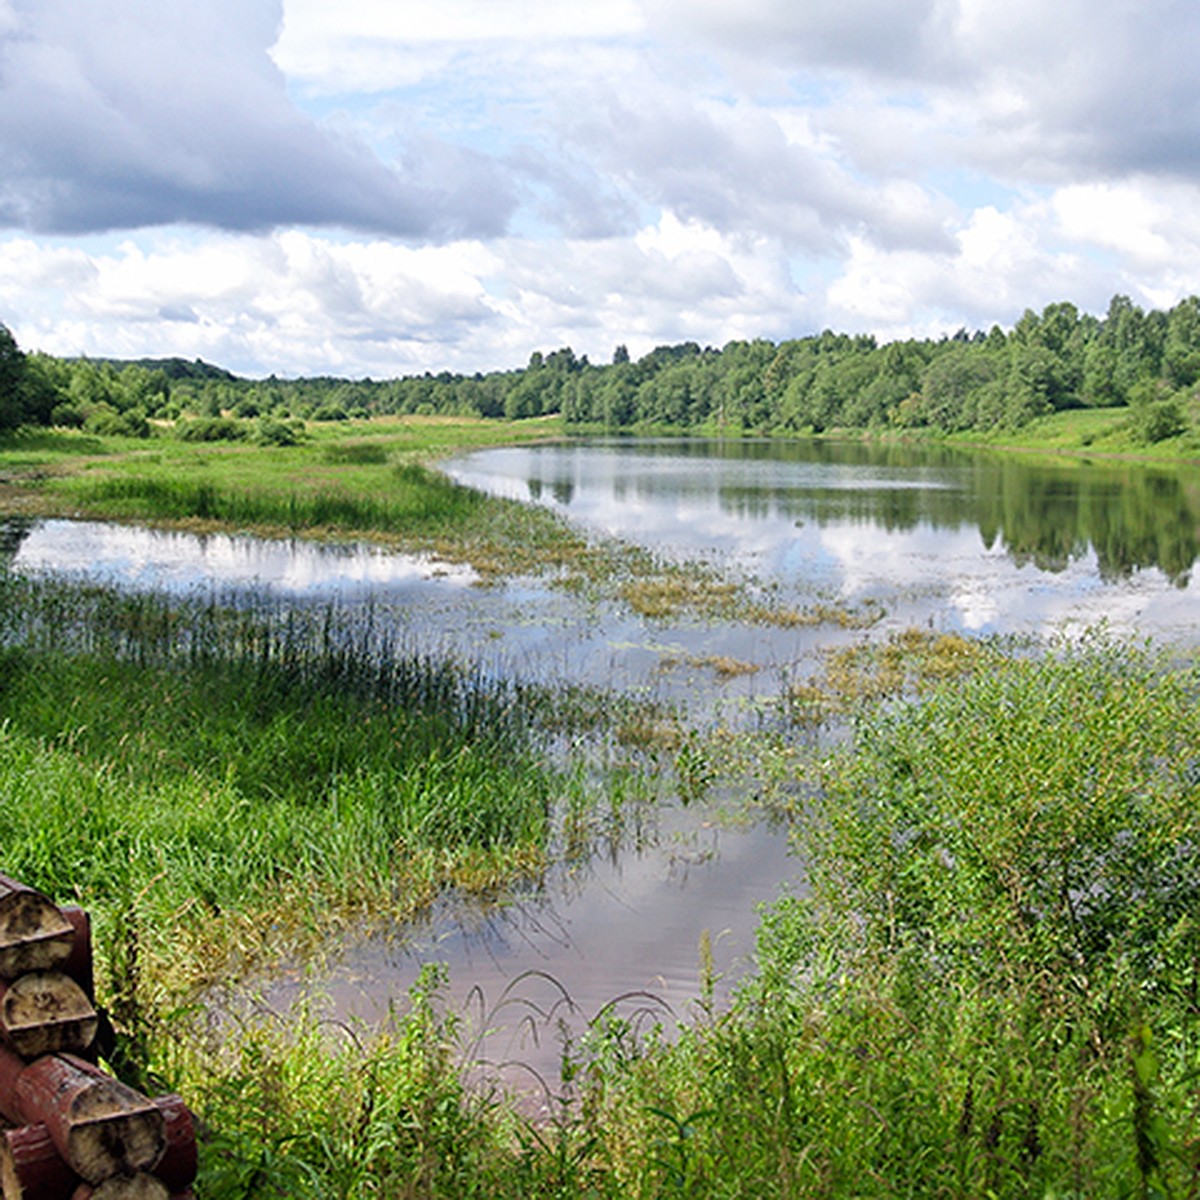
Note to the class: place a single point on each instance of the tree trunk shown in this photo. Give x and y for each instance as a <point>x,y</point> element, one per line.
<point>44,1012</point>
<point>34,934</point>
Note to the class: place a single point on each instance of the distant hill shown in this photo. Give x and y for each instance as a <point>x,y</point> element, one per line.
<point>174,368</point>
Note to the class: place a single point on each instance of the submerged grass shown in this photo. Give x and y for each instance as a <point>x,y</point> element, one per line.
<point>243,780</point>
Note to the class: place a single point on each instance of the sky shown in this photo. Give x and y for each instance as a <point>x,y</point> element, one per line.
<point>387,187</point>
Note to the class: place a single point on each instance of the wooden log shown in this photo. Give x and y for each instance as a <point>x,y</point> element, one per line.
<point>12,1066</point>
<point>34,1164</point>
<point>31,1167</point>
<point>100,1126</point>
<point>34,934</point>
<point>123,1187</point>
<point>79,963</point>
<point>179,1163</point>
<point>45,1012</point>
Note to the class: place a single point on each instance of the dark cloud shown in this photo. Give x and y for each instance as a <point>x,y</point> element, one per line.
<point>125,113</point>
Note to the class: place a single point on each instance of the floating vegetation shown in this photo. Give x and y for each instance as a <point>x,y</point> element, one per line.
<point>907,661</point>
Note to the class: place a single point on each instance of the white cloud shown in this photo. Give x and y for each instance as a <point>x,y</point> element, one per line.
<point>1001,264</point>
<point>112,117</point>
<point>378,45</point>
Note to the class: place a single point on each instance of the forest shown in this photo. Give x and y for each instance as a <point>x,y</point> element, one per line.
<point>1147,362</point>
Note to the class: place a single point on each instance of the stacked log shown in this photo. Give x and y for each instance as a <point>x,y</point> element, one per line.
<point>76,1132</point>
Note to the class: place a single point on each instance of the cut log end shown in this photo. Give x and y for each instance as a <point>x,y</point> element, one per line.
<point>34,934</point>
<point>115,1143</point>
<point>124,1187</point>
<point>45,1012</point>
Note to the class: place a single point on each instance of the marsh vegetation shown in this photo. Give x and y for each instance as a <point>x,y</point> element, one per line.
<point>989,985</point>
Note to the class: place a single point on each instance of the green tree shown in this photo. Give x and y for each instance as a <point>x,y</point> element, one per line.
<point>12,381</point>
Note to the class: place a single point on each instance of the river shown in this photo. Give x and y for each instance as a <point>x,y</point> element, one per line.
<point>952,541</point>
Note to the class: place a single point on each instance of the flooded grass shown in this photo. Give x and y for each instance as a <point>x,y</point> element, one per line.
<point>905,662</point>
<point>244,779</point>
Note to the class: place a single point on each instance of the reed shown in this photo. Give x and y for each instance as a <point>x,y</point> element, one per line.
<point>244,777</point>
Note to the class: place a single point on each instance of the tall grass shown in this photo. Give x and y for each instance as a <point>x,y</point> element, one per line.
<point>235,779</point>
<point>410,494</point>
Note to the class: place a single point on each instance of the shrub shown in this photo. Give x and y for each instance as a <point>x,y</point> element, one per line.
<point>211,429</point>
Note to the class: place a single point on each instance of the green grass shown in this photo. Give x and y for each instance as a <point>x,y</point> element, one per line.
<point>1083,434</point>
<point>244,781</point>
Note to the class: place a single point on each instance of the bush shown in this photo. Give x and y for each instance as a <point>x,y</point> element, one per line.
<point>107,423</point>
<point>276,433</point>
<point>211,429</point>
<point>1000,953</point>
<point>1155,414</point>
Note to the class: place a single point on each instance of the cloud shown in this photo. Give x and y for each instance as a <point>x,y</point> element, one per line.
<point>119,114</point>
<point>874,35</point>
<point>378,45</point>
<point>297,303</point>
<point>1037,91</point>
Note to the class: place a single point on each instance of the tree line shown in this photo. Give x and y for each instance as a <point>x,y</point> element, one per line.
<point>1060,358</point>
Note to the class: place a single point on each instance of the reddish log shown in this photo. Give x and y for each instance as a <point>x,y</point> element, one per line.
<point>178,1165</point>
<point>79,964</point>
<point>34,934</point>
<point>100,1126</point>
<point>45,1012</point>
<point>124,1187</point>
<point>31,1167</point>
<point>37,1164</point>
<point>11,1067</point>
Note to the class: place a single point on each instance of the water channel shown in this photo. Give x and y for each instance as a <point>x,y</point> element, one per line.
<point>944,540</point>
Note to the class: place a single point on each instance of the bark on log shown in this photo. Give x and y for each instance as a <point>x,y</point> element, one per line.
<point>79,963</point>
<point>100,1126</point>
<point>178,1165</point>
<point>45,1012</point>
<point>124,1187</point>
<point>31,1167</point>
<point>34,934</point>
<point>12,1065</point>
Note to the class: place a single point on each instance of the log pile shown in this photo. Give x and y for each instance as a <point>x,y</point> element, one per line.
<point>73,1131</point>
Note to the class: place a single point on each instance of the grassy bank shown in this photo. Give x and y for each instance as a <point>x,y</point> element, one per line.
<point>364,480</point>
<point>245,781</point>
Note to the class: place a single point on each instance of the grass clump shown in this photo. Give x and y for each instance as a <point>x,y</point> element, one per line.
<point>908,661</point>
